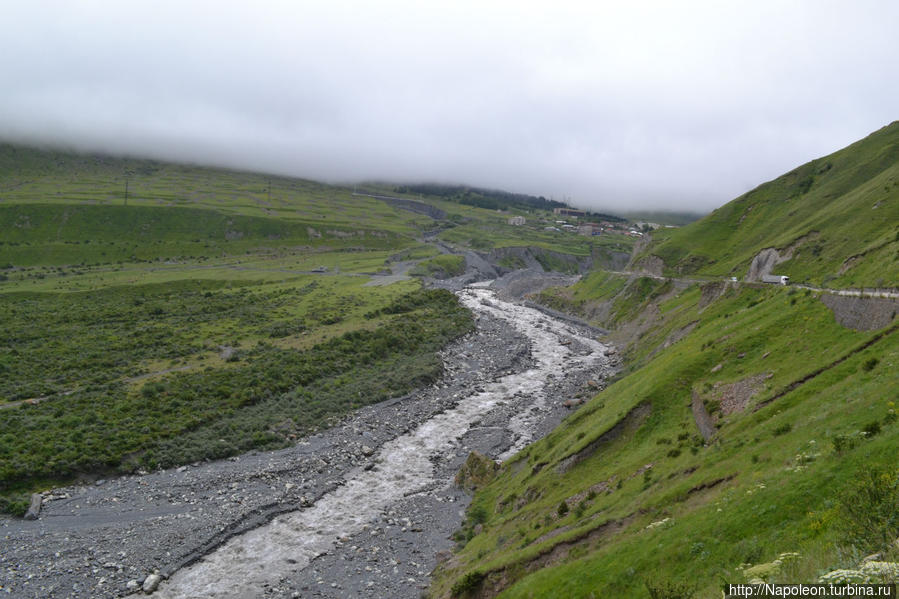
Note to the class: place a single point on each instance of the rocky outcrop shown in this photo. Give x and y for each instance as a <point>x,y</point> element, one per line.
<point>703,420</point>
<point>607,259</point>
<point>651,265</point>
<point>861,313</point>
<point>510,258</point>
<point>764,262</point>
<point>477,471</point>
<point>522,283</point>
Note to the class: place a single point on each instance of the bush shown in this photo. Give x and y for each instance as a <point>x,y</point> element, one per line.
<point>869,364</point>
<point>843,443</point>
<point>468,584</point>
<point>868,512</point>
<point>872,428</point>
<point>669,589</point>
<point>16,505</point>
<point>563,509</point>
<point>783,429</point>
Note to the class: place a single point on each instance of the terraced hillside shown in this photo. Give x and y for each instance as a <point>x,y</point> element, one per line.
<point>833,221</point>
<point>753,433</point>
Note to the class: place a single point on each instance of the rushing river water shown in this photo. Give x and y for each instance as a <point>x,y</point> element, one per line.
<point>241,566</point>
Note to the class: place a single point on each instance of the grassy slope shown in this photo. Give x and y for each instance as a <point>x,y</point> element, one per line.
<point>843,205</point>
<point>44,176</point>
<point>570,515</point>
<point>779,473</point>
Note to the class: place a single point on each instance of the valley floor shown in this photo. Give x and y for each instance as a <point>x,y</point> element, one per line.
<point>505,385</point>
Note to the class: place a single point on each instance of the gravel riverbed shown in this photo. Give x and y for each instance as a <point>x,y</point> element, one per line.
<point>362,509</point>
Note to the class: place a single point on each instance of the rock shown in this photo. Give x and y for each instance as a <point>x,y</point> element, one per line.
<point>367,451</point>
<point>132,585</point>
<point>151,583</point>
<point>717,368</point>
<point>592,383</point>
<point>477,471</point>
<point>34,509</point>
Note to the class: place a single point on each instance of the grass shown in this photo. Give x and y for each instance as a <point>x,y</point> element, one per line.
<point>261,396</point>
<point>766,485</point>
<point>440,267</point>
<point>489,235</point>
<point>839,212</point>
<point>208,313</point>
<point>37,176</point>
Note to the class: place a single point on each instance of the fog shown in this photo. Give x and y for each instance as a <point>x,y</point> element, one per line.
<point>608,105</point>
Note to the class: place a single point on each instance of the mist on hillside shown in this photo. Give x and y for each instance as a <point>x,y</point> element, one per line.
<point>658,107</point>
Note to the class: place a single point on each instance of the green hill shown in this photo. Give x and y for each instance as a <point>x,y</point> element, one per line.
<point>838,216</point>
<point>752,434</point>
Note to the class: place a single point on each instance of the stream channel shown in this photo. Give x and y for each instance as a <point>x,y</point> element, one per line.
<point>378,503</point>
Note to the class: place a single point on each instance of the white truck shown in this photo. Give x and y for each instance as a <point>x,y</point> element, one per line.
<point>776,279</point>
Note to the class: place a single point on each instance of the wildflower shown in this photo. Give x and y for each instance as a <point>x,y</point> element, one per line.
<point>662,522</point>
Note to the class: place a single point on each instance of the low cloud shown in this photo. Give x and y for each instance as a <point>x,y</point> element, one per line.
<point>656,105</point>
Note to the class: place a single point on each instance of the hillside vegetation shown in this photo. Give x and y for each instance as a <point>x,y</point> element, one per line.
<point>750,436</point>
<point>208,312</point>
<point>837,216</point>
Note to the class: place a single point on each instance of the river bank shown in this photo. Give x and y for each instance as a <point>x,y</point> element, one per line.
<point>364,508</point>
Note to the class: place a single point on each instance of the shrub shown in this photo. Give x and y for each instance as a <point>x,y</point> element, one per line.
<point>16,505</point>
<point>869,364</point>
<point>670,589</point>
<point>872,428</point>
<point>563,509</point>
<point>867,509</point>
<point>843,443</point>
<point>783,429</point>
<point>468,584</point>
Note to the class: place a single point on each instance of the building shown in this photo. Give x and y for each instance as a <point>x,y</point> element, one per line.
<point>516,220</point>
<point>569,212</point>
<point>589,229</point>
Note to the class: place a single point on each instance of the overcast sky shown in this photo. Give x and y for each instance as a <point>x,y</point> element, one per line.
<point>616,105</point>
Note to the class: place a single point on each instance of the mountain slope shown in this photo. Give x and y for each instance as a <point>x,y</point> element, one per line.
<point>753,431</point>
<point>838,216</point>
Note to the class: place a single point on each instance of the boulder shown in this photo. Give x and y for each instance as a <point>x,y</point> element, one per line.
<point>477,471</point>
<point>34,509</point>
<point>151,583</point>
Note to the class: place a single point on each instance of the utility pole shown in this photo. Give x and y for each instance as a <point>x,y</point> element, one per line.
<point>126,190</point>
<point>269,191</point>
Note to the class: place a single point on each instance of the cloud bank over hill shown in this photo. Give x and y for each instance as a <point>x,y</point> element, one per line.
<point>656,105</point>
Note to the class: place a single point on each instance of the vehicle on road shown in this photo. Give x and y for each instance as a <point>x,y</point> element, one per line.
<point>776,279</point>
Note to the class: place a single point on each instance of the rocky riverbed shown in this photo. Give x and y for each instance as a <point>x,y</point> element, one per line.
<point>362,509</point>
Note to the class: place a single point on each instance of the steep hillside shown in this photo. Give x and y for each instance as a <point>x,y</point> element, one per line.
<point>745,419</point>
<point>834,221</point>
<point>752,433</point>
